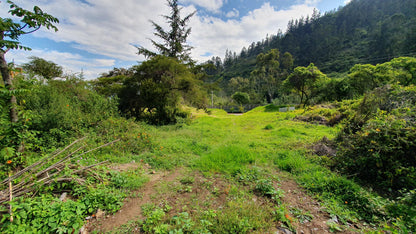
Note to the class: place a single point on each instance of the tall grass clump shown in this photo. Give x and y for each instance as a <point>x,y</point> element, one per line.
<point>339,193</point>
<point>227,159</point>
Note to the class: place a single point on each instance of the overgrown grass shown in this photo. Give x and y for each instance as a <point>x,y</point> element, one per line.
<point>247,151</point>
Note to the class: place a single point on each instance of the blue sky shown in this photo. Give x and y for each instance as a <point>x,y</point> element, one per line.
<point>96,35</point>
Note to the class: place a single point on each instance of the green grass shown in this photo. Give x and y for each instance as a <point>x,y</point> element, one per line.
<point>226,159</point>
<point>244,152</point>
<point>227,144</point>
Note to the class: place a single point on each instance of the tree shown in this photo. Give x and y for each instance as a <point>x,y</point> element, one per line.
<point>173,44</point>
<point>155,91</point>
<point>46,69</point>
<point>305,82</point>
<point>239,84</point>
<point>241,98</point>
<point>10,32</point>
<point>110,83</point>
<point>266,73</point>
<point>287,62</point>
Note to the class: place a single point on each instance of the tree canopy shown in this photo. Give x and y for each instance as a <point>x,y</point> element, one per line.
<point>154,92</point>
<point>10,32</point>
<point>44,68</point>
<point>174,41</point>
<point>304,81</point>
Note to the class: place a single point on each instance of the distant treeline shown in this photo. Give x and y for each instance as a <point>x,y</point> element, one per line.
<point>364,31</point>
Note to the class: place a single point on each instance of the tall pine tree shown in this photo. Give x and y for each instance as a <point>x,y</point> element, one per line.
<point>174,41</point>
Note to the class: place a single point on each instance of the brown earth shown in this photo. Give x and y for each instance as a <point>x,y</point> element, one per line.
<point>190,191</point>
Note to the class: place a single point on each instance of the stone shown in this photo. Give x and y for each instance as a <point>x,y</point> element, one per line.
<point>100,213</point>
<point>63,196</point>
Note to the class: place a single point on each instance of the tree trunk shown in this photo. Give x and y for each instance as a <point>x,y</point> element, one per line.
<point>5,73</point>
<point>269,97</point>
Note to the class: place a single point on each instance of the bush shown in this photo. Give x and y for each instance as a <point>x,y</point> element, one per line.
<point>44,214</point>
<point>61,109</point>
<point>154,93</point>
<point>241,98</point>
<point>378,144</point>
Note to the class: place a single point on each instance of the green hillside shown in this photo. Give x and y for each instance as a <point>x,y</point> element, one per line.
<point>364,31</point>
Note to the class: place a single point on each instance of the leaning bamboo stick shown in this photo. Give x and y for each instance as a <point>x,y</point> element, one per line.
<point>40,162</point>
<point>28,181</point>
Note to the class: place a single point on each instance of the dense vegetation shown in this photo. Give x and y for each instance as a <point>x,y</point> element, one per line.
<point>350,143</point>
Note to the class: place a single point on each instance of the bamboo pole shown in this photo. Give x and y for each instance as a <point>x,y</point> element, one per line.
<point>10,197</point>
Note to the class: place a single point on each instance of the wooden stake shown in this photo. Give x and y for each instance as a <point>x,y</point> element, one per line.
<point>10,197</point>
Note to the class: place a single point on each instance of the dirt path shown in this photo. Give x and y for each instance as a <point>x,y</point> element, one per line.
<point>295,198</point>
<point>131,209</point>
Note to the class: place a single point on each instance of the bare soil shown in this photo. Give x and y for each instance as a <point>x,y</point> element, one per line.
<point>131,209</point>
<point>169,187</point>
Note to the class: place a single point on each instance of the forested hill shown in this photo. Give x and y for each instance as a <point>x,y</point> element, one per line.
<point>364,31</point>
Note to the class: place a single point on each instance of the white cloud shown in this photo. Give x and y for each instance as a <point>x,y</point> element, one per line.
<point>347,1</point>
<point>110,28</point>
<point>72,63</point>
<point>233,14</point>
<point>105,27</point>
<point>210,5</point>
<point>214,35</point>
<point>312,2</point>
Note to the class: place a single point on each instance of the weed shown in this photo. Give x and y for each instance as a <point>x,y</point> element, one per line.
<point>240,216</point>
<point>265,188</point>
<point>187,180</point>
<point>281,214</point>
<point>301,216</point>
<point>44,214</point>
<point>333,226</point>
<point>128,180</point>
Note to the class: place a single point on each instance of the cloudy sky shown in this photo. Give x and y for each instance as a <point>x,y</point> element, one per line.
<point>96,35</point>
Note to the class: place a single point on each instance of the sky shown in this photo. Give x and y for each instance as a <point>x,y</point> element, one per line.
<point>94,36</point>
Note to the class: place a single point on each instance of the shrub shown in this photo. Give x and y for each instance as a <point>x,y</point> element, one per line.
<point>155,91</point>
<point>378,144</point>
<point>241,98</point>
<point>44,214</point>
<point>61,109</point>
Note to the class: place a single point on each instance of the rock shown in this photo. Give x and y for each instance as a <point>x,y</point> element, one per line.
<point>283,231</point>
<point>99,214</point>
<point>334,220</point>
<point>83,230</point>
<point>63,196</point>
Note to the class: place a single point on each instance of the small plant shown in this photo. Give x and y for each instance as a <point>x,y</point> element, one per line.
<point>301,215</point>
<point>265,188</point>
<point>44,214</point>
<point>281,214</point>
<point>182,223</point>
<point>333,226</point>
<point>187,180</point>
<point>153,221</point>
<point>268,127</point>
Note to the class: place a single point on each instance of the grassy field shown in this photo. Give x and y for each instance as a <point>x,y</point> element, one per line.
<point>219,173</point>
<point>250,173</point>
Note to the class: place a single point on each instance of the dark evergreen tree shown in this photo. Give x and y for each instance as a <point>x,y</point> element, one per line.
<point>174,41</point>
